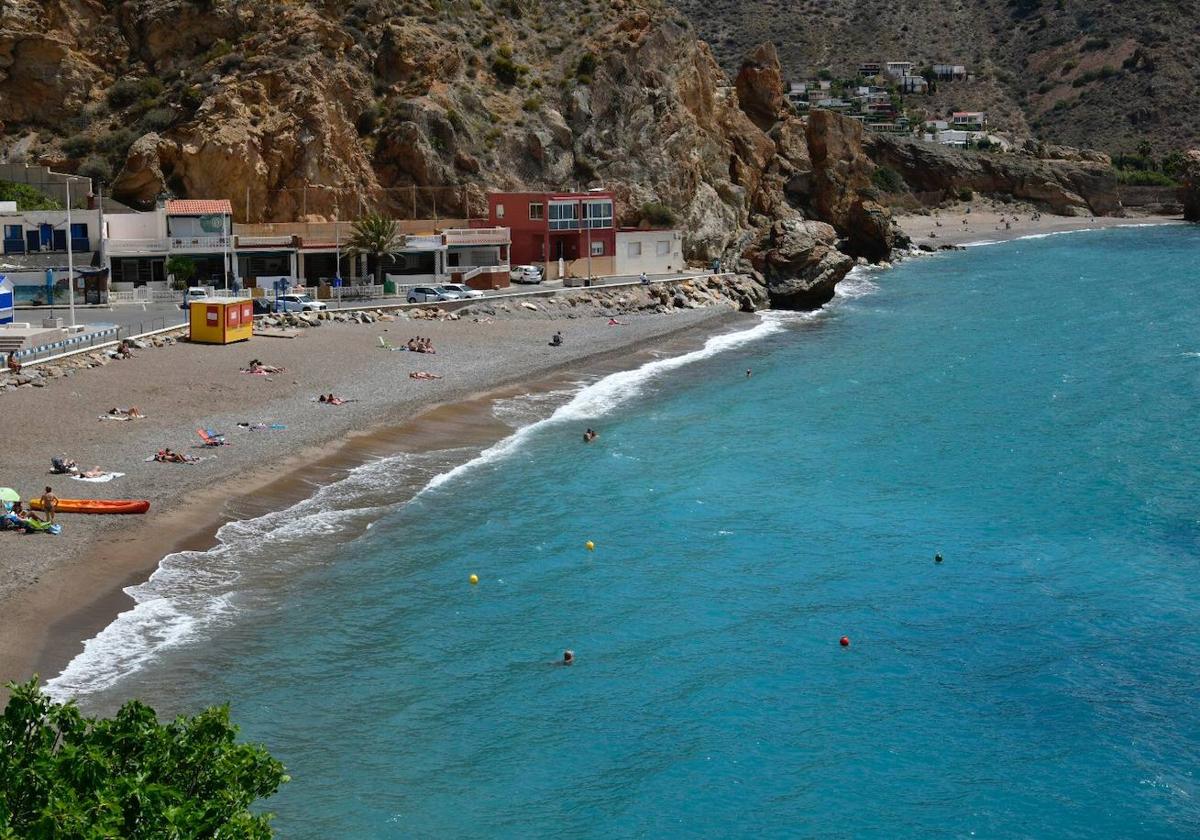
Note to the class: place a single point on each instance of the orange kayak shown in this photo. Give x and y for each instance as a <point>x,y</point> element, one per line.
<point>96,505</point>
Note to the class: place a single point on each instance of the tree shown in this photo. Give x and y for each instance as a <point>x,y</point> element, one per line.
<point>64,775</point>
<point>377,236</point>
<point>183,269</point>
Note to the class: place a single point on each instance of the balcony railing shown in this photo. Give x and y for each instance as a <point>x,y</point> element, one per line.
<point>264,241</point>
<point>200,243</point>
<point>477,236</point>
<point>120,247</point>
<point>424,243</point>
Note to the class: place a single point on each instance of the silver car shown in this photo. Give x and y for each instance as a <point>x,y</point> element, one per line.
<point>462,290</point>
<point>425,294</point>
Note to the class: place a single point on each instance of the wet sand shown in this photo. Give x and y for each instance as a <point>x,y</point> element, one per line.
<point>55,592</point>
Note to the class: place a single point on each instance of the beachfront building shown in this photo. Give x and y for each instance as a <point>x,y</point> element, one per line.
<point>202,229</point>
<point>654,251</point>
<point>569,234</point>
<point>138,245</point>
<point>35,249</point>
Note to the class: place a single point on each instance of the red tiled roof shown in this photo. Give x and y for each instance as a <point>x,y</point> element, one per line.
<point>198,206</point>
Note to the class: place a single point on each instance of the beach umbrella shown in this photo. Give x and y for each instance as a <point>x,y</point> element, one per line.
<point>7,494</point>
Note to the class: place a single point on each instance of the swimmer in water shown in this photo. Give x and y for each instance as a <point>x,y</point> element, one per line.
<point>568,657</point>
<point>749,373</point>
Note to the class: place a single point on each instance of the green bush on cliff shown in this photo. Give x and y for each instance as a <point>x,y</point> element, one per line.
<point>888,180</point>
<point>66,775</point>
<point>659,215</point>
<point>27,198</point>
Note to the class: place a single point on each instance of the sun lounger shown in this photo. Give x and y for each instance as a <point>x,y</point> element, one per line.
<point>212,439</point>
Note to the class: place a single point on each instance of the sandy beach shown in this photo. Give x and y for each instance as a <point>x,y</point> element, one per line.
<point>57,591</point>
<point>984,221</point>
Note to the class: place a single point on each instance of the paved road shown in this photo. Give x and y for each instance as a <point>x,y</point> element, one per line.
<point>138,317</point>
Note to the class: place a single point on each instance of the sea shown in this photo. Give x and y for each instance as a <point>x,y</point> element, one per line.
<point>1026,410</point>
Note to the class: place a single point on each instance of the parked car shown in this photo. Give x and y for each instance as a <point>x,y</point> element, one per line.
<point>263,306</point>
<point>194,293</point>
<point>425,294</point>
<point>525,274</point>
<point>293,302</point>
<point>462,290</point>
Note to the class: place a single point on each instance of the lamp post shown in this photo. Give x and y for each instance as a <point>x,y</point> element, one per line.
<point>70,258</point>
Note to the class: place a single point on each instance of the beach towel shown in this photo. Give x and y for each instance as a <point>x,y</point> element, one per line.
<point>191,459</point>
<point>120,417</point>
<point>98,479</point>
<point>262,427</point>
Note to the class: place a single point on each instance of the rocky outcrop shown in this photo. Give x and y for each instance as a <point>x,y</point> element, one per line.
<point>840,182</point>
<point>1191,186</point>
<point>800,264</point>
<point>760,87</point>
<point>937,173</point>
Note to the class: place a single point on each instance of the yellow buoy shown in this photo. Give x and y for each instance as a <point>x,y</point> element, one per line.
<point>474,579</point>
<point>589,545</point>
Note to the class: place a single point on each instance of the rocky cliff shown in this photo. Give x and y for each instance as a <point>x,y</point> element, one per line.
<point>311,109</point>
<point>1191,186</point>
<point>1061,181</point>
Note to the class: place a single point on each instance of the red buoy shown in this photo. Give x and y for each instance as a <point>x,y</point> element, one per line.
<point>844,641</point>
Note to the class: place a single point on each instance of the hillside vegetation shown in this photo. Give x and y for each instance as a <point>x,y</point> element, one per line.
<point>1104,75</point>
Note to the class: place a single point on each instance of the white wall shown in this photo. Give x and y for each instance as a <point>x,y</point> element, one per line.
<point>651,244</point>
<point>135,226</point>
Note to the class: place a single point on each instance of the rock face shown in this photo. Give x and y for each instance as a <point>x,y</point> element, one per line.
<point>309,109</point>
<point>801,264</point>
<point>1066,187</point>
<point>1191,186</point>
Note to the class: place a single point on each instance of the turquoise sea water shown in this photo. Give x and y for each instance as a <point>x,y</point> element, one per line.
<point>1028,410</point>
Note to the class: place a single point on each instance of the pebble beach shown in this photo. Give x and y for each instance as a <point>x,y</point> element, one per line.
<point>57,590</point>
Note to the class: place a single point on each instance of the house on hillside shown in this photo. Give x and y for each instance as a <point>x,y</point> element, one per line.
<point>950,72</point>
<point>969,120</point>
<point>870,69</point>
<point>899,69</point>
<point>914,84</point>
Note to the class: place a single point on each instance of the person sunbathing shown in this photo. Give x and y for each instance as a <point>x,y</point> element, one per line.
<point>332,400</point>
<point>258,367</point>
<point>62,465</point>
<point>125,349</point>
<point>166,456</point>
<point>94,472</point>
<point>131,413</point>
<point>424,374</point>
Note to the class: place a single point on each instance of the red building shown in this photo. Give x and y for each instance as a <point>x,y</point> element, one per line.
<point>547,227</point>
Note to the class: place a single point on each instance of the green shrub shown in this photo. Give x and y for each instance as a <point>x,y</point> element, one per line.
<point>966,194</point>
<point>157,119</point>
<point>533,103</point>
<point>585,68</point>
<point>77,145</point>
<point>657,214</point>
<point>96,168</point>
<point>1145,178</point>
<point>1093,44</point>
<point>123,93</point>
<point>27,197</point>
<point>116,142</point>
<point>888,180</point>
<point>507,71</point>
<point>455,119</point>
<point>192,97</point>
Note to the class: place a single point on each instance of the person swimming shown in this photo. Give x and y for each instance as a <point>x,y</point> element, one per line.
<point>589,436</point>
<point>568,657</point>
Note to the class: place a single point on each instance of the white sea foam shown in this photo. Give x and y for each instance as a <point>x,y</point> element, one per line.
<point>192,591</point>
<point>981,243</point>
<point>857,283</point>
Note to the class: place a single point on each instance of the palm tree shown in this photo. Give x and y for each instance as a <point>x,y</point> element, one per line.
<point>377,236</point>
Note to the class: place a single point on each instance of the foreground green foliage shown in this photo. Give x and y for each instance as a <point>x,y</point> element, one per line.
<point>27,197</point>
<point>67,776</point>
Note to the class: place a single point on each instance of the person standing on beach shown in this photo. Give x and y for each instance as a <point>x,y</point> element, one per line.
<point>49,504</point>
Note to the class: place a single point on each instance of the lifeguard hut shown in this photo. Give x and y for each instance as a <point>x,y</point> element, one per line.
<point>6,300</point>
<point>222,321</point>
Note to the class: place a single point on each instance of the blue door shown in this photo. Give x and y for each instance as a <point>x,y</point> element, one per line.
<point>47,232</point>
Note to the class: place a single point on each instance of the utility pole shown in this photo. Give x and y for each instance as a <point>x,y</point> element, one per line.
<point>225,259</point>
<point>247,204</point>
<point>70,257</point>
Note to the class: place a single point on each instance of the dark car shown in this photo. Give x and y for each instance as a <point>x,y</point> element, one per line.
<point>263,306</point>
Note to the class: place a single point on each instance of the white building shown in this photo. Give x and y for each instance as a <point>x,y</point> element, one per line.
<point>652,251</point>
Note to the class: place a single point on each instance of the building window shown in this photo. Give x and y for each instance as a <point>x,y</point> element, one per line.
<point>598,249</point>
<point>564,215</point>
<point>662,248</point>
<point>633,249</point>
<point>499,211</point>
<point>599,213</point>
<point>537,211</point>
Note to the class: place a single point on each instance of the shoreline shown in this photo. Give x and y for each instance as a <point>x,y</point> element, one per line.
<point>43,626</point>
<point>985,224</point>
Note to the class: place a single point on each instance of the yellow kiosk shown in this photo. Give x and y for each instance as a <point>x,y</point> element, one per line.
<point>221,321</point>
